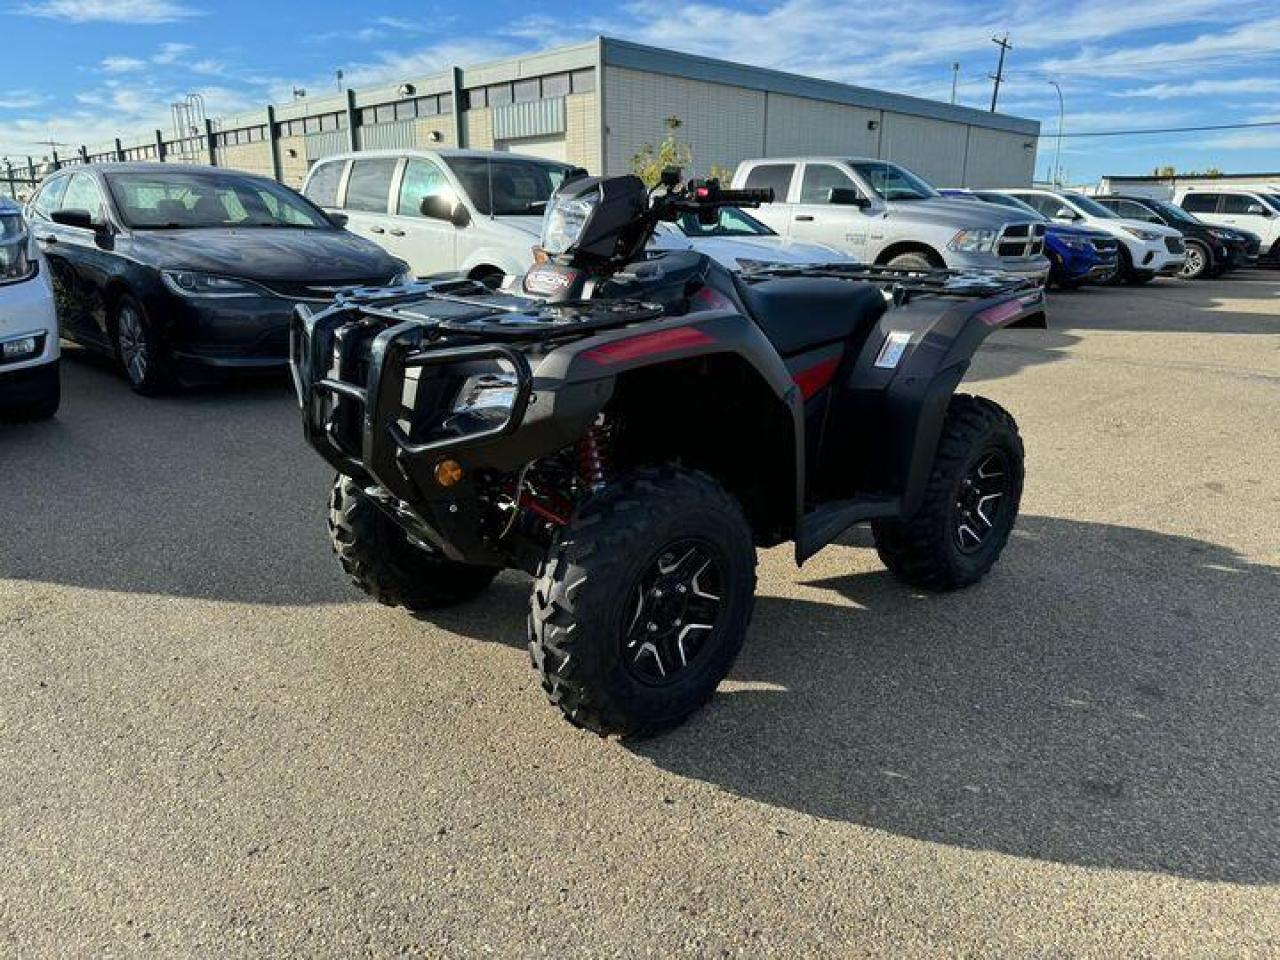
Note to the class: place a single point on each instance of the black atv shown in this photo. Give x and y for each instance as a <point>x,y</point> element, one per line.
<point>630,426</point>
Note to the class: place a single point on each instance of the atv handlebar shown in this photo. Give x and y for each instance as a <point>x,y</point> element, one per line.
<point>711,193</point>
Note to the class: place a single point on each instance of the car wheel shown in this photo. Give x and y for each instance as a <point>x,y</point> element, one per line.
<point>1124,267</point>
<point>912,261</point>
<point>643,602</point>
<point>1199,262</point>
<point>969,506</point>
<point>140,351</point>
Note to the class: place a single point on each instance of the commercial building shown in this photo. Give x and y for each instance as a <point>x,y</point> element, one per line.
<point>595,105</point>
<point>1164,188</point>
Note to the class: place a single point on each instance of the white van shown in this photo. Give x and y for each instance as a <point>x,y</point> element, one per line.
<point>1240,208</point>
<point>474,212</point>
<point>30,384</point>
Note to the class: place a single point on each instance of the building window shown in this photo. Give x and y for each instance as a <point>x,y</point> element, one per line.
<point>526,91</point>
<point>557,85</point>
<point>385,113</point>
<point>446,103</point>
<point>311,125</point>
<point>499,94</point>
<point>428,106</point>
<point>584,81</point>
<point>406,110</point>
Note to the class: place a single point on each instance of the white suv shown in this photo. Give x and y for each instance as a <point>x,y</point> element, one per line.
<point>1146,249</point>
<point>30,386</point>
<point>1240,208</point>
<point>474,212</point>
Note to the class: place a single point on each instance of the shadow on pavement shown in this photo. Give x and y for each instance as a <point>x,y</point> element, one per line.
<point>1107,699</point>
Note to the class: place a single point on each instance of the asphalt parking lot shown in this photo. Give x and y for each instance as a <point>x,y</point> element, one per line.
<point>211,745</point>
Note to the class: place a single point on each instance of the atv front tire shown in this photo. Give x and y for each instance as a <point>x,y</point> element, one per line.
<point>385,564</point>
<point>643,602</point>
<point>969,506</point>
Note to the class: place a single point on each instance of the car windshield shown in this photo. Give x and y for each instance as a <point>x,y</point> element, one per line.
<point>1273,199</point>
<point>732,222</point>
<point>892,182</point>
<point>1013,203</point>
<point>184,200</point>
<point>1173,212</point>
<point>1091,206</point>
<point>502,186</point>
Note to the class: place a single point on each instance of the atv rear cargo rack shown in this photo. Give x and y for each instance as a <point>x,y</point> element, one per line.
<point>902,283</point>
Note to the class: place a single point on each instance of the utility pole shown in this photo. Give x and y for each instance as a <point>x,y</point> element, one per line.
<point>955,76</point>
<point>1057,154</point>
<point>1005,46</point>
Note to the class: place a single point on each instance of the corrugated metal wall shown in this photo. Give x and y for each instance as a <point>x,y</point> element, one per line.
<point>326,144</point>
<point>538,118</point>
<point>400,135</point>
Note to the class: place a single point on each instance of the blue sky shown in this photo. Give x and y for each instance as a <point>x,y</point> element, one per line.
<point>83,70</point>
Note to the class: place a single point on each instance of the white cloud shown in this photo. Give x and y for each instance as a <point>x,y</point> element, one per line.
<point>122,65</point>
<point>1204,88</point>
<point>20,100</point>
<point>171,52</point>
<point>110,11</point>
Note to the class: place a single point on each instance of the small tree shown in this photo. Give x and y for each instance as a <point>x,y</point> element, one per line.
<point>648,163</point>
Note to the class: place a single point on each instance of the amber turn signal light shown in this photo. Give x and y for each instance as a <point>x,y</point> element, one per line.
<point>448,472</point>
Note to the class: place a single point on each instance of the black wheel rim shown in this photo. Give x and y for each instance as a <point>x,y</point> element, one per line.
<point>981,501</point>
<point>133,344</point>
<point>673,614</point>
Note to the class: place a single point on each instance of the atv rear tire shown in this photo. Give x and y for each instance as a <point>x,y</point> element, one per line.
<point>970,503</point>
<point>381,560</point>
<point>643,602</point>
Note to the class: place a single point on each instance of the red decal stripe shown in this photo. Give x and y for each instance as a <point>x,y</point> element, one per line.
<point>1001,313</point>
<point>647,344</point>
<point>814,378</point>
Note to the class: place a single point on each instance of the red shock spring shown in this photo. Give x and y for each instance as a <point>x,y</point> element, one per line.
<point>593,453</point>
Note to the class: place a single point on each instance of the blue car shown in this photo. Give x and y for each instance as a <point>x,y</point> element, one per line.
<point>1077,255</point>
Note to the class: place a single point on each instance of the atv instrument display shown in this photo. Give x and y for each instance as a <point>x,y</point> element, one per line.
<point>630,426</point>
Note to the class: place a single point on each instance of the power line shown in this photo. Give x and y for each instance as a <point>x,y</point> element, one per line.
<point>1129,133</point>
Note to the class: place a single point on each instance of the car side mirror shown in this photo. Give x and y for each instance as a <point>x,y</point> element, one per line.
<point>1257,210</point>
<point>437,207</point>
<point>74,217</point>
<point>1067,215</point>
<point>339,220</point>
<point>847,197</point>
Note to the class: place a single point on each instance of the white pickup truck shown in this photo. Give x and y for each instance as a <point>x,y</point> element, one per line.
<point>882,213</point>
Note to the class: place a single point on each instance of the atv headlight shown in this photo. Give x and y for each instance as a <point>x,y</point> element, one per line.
<point>188,283</point>
<point>16,262</point>
<point>979,240</point>
<point>1147,235</point>
<point>493,393</point>
<point>565,220</point>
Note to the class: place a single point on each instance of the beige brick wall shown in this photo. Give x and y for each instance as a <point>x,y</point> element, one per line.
<point>249,157</point>
<point>722,124</point>
<point>442,124</point>
<point>479,129</point>
<point>293,170</point>
<point>582,131</point>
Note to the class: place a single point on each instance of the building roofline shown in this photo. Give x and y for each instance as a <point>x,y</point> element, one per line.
<point>637,56</point>
<point>1156,178</point>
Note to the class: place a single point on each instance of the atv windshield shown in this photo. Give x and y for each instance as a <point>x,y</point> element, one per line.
<point>732,222</point>
<point>508,187</point>
<point>892,182</point>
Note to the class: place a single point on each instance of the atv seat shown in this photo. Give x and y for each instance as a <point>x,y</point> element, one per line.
<point>800,313</point>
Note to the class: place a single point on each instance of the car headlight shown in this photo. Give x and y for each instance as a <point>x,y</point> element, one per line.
<point>564,221</point>
<point>16,262</point>
<point>188,283</point>
<point>405,275</point>
<point>1146,235</point>
<point>1075,243</point>
<point>1222,234</point>
<point>980,240</point>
